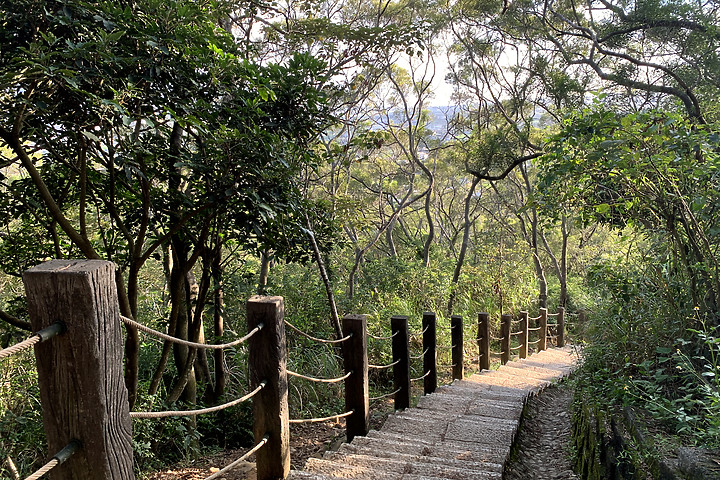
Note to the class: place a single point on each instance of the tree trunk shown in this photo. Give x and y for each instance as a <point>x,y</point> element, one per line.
<point>467,226</point>
<point>335,318</point>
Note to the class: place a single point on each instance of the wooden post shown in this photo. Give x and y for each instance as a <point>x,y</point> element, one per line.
<point>542,344</point>
<point>505,328</point>
<point>458,369</point>
<point>81,372</point>
<point>429,324</point>
<point>357,396</point>
<point>267,359</point>
<point>401,352</point>
<point>561,327</point>
<point>523,337</point>
<point>483,339</point>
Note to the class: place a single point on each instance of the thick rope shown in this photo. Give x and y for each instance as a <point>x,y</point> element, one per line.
<point>415,335</point>
<point>24,345</point>
<point>383,367</point>
<point>53,330</point>
<point>372,399</point>
<point>512,334</point>
<point>45,469</point>
<point>376,337</point>
<point>533,319</point>
<point>535,342</point>
<point>180,341</point>
<point>323,419</point>
<point>315,339</point>
<point>556,314</point>
<point>241,459</point>
<point>58,459</point>
<point>417,357</point>
<point>536,329</point>
<point>497,339</point>
<point>420,378</point>
<point>497,354</point>
<point>448,366</point>
<point>319,380</point>
<point>200,411</point>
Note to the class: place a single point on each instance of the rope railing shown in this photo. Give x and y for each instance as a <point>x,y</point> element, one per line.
<point>322,419</point>
<point>498,354</point>
<point>383,367</point>
<point>535,342</point>
<point>240,460</point>
<point>512,334</point>
<point>516,348</point>
<point>420,378</point>
<point>418,357</point>
<point>43,335</point>
<point>536,329</point>
<point>448,366</point>
<point>315,339</point>
<point>373,399</point>
<point>416,335</point>
<point>556,314</point>
<point>199,411</point>
<point>59,458</point>
<point>187,343</point>
<point>377,337</point>
<point>319,380</point>
<point>497,339</point>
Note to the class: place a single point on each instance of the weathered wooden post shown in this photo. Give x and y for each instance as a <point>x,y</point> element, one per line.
<point>81,372</point>
<point>505,329</point>
<point>357,397</point>
<point>523,337</point>
<point>267,359</point>
<point>429,324</point>
<point>542,344</point>
<point>456,334</point>
<point>561,327</point>
<point>483,339</point>
<point>401,354</point>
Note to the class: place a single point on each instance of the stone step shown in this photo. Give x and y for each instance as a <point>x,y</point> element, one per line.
<point>478,453</point>
<point>526,372</point>
<point>467,449</point>
<point>399,466</point>
<point>351,448</point>
<point>422,414</point>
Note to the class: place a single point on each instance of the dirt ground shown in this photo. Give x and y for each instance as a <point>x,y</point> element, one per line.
<point>306,440</point>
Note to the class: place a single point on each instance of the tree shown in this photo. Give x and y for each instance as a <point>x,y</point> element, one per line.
<point>137,126</point>
<point>652,170</point>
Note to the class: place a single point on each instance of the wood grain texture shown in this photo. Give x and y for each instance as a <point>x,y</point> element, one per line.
<point>505,329</point>
<point>458,349</point>
<point>267,358</point>
<point>81,372</point>
<point>429,325</point>
<point>483,340</point>
<point>401,352</point>
<point>542,344</point>
<point>561,327</point>
<point>523,337</point>
<point>355,357</point>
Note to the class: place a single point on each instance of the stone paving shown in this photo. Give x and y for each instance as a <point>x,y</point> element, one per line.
<point>464,431</point>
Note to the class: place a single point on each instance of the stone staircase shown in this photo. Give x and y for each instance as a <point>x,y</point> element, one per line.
<point>463,431</point>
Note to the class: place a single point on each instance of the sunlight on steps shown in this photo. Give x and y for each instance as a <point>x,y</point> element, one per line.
<point>464,431</point>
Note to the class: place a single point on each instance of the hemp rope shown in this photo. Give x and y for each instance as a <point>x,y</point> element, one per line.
<point>319,380</point>
<point>180,341</point>
<point>200,411</point>
<point>315,339</point>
